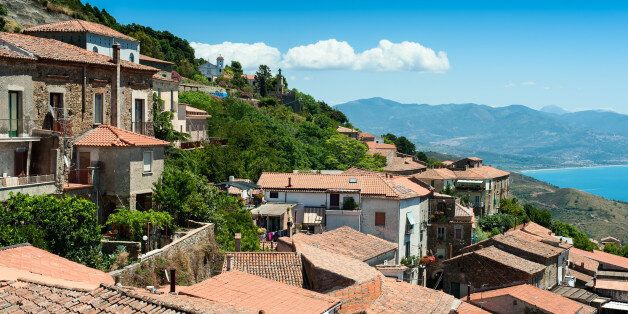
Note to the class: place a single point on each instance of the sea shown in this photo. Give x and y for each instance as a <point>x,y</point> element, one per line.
<point>610,182</point>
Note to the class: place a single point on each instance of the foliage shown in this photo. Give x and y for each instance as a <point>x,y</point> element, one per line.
<point>511,206</point>
<point>188,196</point>
<point>616,249</point>
<point>432,162</point>
<point>162,122</point>
<point>134,222</point>
<point>481,235</point>
<point>580,239</point>
<point>66,226</point>
<point>404,145</point>
<point>410,261</point>
<point>498,223</point>
<point>263,78</point>
<point>3,13</point>
<point>540,216</point>
<point>349,204</point>
<point>311,107</point>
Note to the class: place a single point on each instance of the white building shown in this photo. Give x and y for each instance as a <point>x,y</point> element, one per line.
<point>91,36</point>
<point>212,71</point>
<point>391,208</point>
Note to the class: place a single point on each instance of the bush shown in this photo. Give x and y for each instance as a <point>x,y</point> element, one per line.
<point>132,223</point>
<point>580,239</point>
<point>66,226</point>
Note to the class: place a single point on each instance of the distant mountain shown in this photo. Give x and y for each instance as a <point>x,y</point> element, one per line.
<point>513,137</point>
<point>553,109</point>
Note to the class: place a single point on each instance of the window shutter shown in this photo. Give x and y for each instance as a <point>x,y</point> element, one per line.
<point>380,219</point>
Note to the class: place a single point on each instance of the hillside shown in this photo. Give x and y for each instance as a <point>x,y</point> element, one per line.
<point>514,137</point>
<point>596,215</point>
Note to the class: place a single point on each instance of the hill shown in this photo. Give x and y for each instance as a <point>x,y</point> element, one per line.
<point>515,137</point>
<point>596,215</point>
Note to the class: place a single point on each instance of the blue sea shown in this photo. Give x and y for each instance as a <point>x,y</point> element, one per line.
<point>610,182</point>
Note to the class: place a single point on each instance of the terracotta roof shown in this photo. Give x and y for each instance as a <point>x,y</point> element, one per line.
<point>6,52</point>
<point>463,213</point>
<point>249,76</point>
<point>111,136</point>
<point>542,299</point>
<point>54,50</point>
<point>583,261</point>
<point>37,261</point>
<point>347,241</point>
<point>581,276</point>
<point>366,184</point>
<point>374,145</point>
<point>37,297</point>
<point>402,297</point>
<point>480,173</point>
<point>504,258</point>
<point>191,112</point>
<point>278,266</point>
<point>365,135</point>
<point>536,229</point>
<point>611,284</point>
<point>536,248</point>
<point>400,164</point>
<point>155,60</point>
<point>243,290</point>
<point>79,26</point>
<point>436,174</point>
<point>603,257</point>
<point>342,129</point>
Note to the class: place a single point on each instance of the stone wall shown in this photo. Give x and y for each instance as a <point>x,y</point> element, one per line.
<point>191,255</point>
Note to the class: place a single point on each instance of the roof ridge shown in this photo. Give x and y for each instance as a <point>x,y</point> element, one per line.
<point>8,247</point>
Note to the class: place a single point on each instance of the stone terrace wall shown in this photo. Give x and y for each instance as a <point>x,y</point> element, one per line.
<point>190,255</point>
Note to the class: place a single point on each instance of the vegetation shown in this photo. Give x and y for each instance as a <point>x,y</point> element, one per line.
<point>162,122</point>
<point>66,226</point>
<point>616,249</point>
<point>131,224</point>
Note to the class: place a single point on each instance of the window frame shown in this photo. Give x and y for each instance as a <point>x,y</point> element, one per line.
<point>102,108</point>
<point>150,164</point>
<point>439,235</point>
<point>380,219</point>
<point>275,193</point>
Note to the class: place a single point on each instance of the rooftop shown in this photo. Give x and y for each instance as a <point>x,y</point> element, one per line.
<point>27,258</point>
<point>242,290</point>
<point>582,261</point>
<point>347,241</point>
<point>154,60</point>
<point>342,129</point>
<point>577,294</point>
<point>366,184</point>
<point>504,258</point>
<point>191,112</point>
<point>544,300</point>
<point>533,247</point>
<point>111,136</point>
<point>436,174</point>
<point>79,26</point>
<point>611,284</point>
<point>603,257</point>
<point>480,173</point>
<point>22,46</point>
<point>400,164</point>
<point>283,267</point>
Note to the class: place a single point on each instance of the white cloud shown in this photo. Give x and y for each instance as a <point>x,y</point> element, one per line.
<point>387,56</point>
<point>249,55</point>
<point>528,83</point>
<point>331,54</point>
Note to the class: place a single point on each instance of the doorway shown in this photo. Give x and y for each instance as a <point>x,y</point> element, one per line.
<point>334,200</point>
<point>84,164</point>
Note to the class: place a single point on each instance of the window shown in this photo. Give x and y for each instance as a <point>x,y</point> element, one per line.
<point>477,200</point>
<point>334,200</point>
<point>95,49</point>
<point>15,113</point>
<point>458,232</point>
<point>172,107</point>
<point>407,245</point>
<point>440,233</point>
<point>138,124</point>
<point>98,109</point>
<point>273,194</point>
<point>380,219</point>
<point>148,161</point>
<point>131,58</point>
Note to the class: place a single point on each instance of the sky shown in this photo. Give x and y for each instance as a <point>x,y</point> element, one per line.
<point>572,54</point>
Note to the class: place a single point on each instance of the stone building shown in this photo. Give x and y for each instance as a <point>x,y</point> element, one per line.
<point>451,226</point>
<point>440,179</point>
<point>57,91</point>
<point>212,71</point>
<point>484,186</point>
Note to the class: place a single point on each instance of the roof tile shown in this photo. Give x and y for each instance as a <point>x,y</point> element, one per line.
<point>78,26</point>
<point>284,267</point>
<point>111,136</point>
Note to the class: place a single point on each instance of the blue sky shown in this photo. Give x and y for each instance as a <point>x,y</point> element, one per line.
<point>573,54</point>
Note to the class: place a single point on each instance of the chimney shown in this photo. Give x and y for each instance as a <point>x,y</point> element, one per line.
<point>173,280</point>
<point>582,264</point>
<point>289,181</point>
<point>468,293</point>
<point>116,53</point>
<point>238,238</point>
<point>229,262</point>
<point>116,103</point>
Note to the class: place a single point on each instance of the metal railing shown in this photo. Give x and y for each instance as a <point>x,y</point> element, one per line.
<point>15,127</point>
<point>7,182</point>
<point>142,127</point>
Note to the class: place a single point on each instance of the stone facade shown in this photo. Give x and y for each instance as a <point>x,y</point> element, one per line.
<point>443,239</point>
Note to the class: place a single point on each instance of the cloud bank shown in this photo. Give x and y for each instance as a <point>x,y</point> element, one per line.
<point>331,54</point>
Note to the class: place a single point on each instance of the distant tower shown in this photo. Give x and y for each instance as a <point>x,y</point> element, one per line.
<point>280,84</point>
<point>220,62</point>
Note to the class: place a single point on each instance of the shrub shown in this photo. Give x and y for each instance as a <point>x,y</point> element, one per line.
<point>132,223</point>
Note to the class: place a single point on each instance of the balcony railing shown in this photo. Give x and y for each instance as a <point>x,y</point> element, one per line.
<point>81,176</point>
<point>8,182</point>
<point>16,127</point>
<point>145,128</point>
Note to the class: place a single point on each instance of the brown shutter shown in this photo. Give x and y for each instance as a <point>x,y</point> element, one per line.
<point>380,219</point>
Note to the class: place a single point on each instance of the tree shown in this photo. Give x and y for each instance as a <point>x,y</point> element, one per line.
<point>263,78</point>
<point>66,226</point>
<point>405,146</point>
<point>131,224</point>
<point>580,239</point>
<point>615,249</point>
<point>542,217</point>
<point>162,123</point>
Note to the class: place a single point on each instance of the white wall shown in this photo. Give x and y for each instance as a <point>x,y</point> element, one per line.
<point>390,231</point>
<point>338,218</point>
<point>309,199</point>
<point>104,45</point>
<point>418,207</point>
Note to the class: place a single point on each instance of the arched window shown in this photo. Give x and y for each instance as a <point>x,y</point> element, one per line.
<point>132,58</point>
<point>95,49</point>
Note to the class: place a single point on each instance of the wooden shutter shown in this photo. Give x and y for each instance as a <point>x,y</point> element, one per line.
<point>380,219</point>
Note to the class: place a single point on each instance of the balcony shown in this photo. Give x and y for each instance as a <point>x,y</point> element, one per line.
<point>35,185</point>
<point>80,179</point>
<point>145,128</point>
<point>16,130</point>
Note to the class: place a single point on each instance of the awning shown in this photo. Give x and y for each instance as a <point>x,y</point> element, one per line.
<point>313,215</point>
<point>470,181</point>
<point>410,218</point>
<point>272,209</point>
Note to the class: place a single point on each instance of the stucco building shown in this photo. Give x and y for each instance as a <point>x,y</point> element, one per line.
<point>212,71</point>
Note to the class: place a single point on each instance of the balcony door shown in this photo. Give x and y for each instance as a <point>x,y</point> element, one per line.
<point>84,163</point>
<point>15,113</point>
<point>138,124</point>
<point>334,200</point>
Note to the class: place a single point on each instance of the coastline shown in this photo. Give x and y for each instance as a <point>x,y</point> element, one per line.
<point>569,168</point>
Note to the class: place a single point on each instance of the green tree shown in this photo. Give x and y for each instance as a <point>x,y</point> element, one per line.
<point>615,249</point>
<point>405,146</point>
<point>162,122</point>
<point>580,239</point>
<point>263,78</point>
<point>344,152</point>
<point>542,217</point>
<point>131,224</point>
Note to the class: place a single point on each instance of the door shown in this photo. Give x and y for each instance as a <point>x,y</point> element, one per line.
<point>139,116</point>
<point>84,163</point>
<point>21,154</point>
<point>334,200</point>
<point>14,113</point>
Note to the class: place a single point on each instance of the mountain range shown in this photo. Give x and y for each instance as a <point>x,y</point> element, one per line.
<point>513,137</point>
